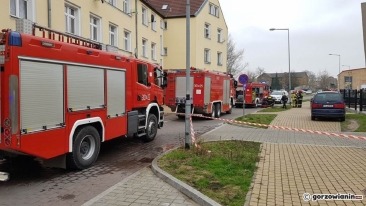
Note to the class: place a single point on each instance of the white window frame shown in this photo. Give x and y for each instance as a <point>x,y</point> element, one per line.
<point>144,48</point>
<point>219,35</point>
<point>144,16</point>
<point>153,23</point>
<point>113,35</point>
<point>69,18</point>
<point>219,58</point>
<point>126,7</point>
<point>127,40</point>
<point>207,56</point>
<point>18,9</point>
<point>153,51</point>
<point>214,10</point>
<point>95,28</point>
<point>207,33</point>
<point>113,2</point>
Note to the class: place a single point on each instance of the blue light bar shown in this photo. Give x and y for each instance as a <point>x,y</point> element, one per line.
<point>15,39</point>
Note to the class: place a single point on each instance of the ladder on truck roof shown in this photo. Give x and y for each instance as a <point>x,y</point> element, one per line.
<point>68,38</point>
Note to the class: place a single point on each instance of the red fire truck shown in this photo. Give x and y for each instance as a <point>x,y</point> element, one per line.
<point>61,96</point>
<point>212,92</point>
<point>254,93</point>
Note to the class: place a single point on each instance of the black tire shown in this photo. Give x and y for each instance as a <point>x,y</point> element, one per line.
<point>218,110</point>
<point>312,117</point>
<point>151,128</point>
<point>85,149</point>
<point>343,119</point>
<point>213,112</point>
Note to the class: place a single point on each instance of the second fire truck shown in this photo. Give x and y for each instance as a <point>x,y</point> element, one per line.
<point>212,93</point>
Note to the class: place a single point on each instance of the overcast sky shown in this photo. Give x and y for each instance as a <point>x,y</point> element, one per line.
<point>317,28</point>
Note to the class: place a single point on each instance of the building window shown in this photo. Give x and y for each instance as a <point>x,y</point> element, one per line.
<point>127,41</point>
<point>144,16</point>
<point>95,28</point>
<point>153,22</point>
<point>214,10</point>
<point>219,58</point>
<point>113,2</point>
<point>126,6</point>
<point>72,19</point>
<point>219,35</point>
<point>153,51</point>
<point>22,9</point>
<point>113,35</point>
<point>207,31</point>
<point>144,48</point>
<point>163,24</point>
<point>207,56</point>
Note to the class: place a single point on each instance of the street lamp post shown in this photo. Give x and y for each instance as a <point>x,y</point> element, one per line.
<point>289,62</point>
<point>339,66</point>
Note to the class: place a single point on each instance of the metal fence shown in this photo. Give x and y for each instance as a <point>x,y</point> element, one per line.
<point>355,98</point>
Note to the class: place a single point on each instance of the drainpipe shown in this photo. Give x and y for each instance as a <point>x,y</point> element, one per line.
<point>49,13</point>
<point>136,31</point>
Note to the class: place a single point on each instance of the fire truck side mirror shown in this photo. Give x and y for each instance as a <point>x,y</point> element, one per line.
<point>235,84</point>
<point>164,80</point>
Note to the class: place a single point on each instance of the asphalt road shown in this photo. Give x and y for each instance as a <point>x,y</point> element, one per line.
<point>32,184</point>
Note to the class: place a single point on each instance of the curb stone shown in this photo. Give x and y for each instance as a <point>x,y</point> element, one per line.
<point>184,188</point>
<point>248,197</point>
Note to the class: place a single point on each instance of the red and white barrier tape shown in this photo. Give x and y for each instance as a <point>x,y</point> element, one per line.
<point>277,127</point>
<point>192,133</point>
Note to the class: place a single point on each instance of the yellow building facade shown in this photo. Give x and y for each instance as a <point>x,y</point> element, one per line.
<point>208,34</point>
<point>132,27</point>
<point>352,78</point>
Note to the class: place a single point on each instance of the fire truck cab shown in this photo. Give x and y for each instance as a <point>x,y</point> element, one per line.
<point>254,93</point>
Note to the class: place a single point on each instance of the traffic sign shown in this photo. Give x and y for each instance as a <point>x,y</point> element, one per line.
<point>243,78</point>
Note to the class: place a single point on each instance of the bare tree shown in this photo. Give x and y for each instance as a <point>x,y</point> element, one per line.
<point>312,83</point>
<point>259,71</point>
<point>234,58</point>
<point>323,79</point>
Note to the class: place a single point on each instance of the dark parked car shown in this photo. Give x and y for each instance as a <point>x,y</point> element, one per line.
<point>239,101</point>
<point>328,104</point>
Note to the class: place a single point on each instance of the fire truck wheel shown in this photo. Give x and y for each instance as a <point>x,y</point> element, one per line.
<point>256,103</point>
<point>151,128</point>
<point>218,110</point>
<point>85,149</point>
<point>213,111</point>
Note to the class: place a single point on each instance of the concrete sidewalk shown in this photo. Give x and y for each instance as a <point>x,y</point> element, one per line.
<point>291,164</point>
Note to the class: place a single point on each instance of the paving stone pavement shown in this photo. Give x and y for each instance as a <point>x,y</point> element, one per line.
<point>141,188</point>
<point>291,164</point>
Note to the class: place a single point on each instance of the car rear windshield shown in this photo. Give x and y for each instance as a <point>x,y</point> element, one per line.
<point>328,97</point>
<point>277,93</point>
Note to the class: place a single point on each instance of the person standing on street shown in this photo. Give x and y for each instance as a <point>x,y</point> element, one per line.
<point>284,100</point>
